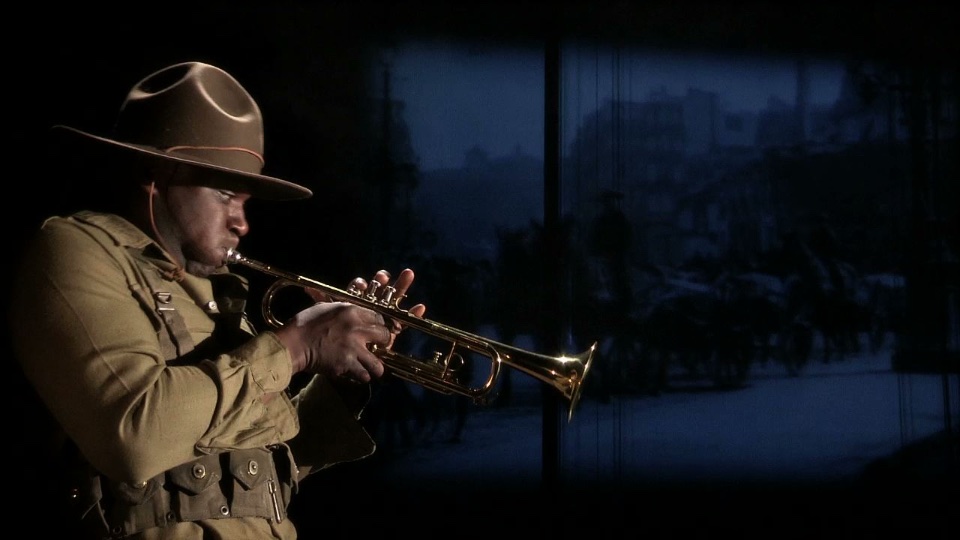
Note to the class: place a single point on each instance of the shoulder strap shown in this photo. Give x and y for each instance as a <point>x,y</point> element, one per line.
<point>175,340</point>
<point>178,341</point>
<point>156,300</point>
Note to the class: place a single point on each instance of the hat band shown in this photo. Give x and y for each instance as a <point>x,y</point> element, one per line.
<point>231,157</point>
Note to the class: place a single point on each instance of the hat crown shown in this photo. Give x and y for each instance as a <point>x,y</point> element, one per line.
<point>194,114</point>
<point>197,111</point>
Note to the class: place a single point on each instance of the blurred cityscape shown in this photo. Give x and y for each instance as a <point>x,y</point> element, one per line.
<point>691,229</point>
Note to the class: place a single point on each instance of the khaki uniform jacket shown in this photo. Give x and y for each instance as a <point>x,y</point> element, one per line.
<point>90,339</point>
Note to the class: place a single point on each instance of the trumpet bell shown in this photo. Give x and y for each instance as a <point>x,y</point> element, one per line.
<point>564,373</point>
<point>471,366</point>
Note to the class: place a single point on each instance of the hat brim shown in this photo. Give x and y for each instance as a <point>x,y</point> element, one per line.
<point>257,185</point>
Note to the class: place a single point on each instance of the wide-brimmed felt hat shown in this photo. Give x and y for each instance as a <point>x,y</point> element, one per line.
<point>196,114</point>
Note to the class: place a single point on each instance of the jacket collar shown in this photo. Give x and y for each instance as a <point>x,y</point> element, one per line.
<point>129,236</point>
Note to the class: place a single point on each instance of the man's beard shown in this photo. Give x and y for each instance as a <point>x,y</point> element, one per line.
<point>199,269</point>
<point>202,262</point>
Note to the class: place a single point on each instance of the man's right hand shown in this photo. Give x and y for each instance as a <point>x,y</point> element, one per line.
<point>333,339</point>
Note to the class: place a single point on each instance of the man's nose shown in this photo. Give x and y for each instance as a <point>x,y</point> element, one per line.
<point>238,222</point>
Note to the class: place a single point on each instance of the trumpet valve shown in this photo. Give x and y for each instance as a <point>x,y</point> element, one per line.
<point>443,362</point>
<point>387,295</point>
<point>371,292</point>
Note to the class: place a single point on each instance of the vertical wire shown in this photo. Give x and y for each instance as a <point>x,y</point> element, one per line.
<point>615,177</point>
<point>583,189</point>
<point>585,466</point>
<point>596,132</point>
<point>593,191</point>
<point>624,188</point>
<point>552,227</point>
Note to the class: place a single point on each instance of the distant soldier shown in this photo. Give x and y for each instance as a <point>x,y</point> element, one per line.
<point>610,241</point>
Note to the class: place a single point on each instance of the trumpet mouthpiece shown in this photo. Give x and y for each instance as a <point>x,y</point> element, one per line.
<point>232,256</point>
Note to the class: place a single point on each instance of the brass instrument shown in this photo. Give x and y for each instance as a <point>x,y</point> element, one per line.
<point>564,373</point>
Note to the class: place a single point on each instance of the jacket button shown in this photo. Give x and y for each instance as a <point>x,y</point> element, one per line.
<point>224,510</point>
<point>253,467</point>
<point>199,471</point>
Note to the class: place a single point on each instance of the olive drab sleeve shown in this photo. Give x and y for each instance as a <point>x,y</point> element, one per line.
<point>93,353</point>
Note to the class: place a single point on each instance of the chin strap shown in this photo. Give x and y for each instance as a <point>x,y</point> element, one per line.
<point>178,272</point>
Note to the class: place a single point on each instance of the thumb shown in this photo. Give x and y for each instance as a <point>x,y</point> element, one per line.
<point>317,295</point>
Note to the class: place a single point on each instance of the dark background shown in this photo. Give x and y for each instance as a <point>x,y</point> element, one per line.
<point>307,65</point>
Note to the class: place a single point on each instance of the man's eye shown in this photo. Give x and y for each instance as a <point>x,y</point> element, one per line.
<point>226,195</point>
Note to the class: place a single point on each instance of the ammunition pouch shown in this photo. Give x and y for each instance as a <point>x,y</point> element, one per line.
<point>243,483</point>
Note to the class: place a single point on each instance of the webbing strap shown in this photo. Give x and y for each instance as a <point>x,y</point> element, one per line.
<point>178,340</point>
<point>175,341</point>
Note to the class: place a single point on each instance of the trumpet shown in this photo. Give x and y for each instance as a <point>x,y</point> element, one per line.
<point>442,372</point>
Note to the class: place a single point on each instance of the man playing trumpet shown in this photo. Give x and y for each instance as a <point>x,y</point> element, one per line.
<point>132,331</point>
